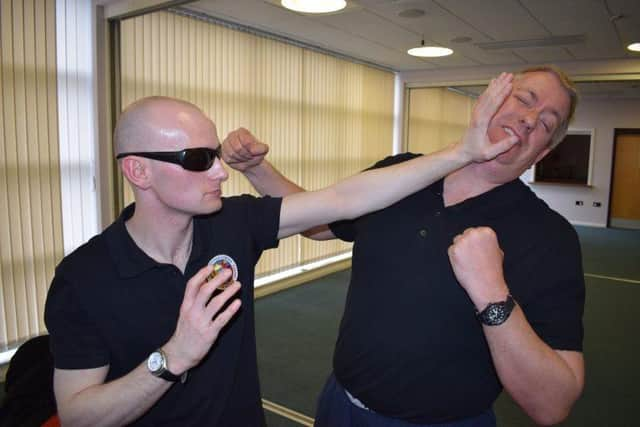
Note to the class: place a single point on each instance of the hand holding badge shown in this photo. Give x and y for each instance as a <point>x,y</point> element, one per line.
<point>220,262</point>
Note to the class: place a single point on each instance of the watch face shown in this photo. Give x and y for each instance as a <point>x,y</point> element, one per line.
<point>154,363</point>
<point>495,313</point>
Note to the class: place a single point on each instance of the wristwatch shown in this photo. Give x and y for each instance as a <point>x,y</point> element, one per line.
<point>157,365</point>
<point>496,313</point>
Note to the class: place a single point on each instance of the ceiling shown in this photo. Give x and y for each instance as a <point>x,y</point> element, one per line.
<point>481,32</point>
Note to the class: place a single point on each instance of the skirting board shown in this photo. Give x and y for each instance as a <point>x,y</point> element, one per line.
<point>625,223</point>
<point>589,224</point>
<point>301,278</point>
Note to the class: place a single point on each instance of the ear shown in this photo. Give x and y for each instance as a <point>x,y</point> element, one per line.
<point>136,171</point>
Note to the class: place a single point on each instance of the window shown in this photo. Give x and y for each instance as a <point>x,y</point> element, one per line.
<point>570,162</point>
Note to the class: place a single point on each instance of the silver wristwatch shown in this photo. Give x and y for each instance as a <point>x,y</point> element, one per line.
<point>157,365</point>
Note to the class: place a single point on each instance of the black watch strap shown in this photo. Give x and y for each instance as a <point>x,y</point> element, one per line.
<point>169,376</point>
<point>496,313</point>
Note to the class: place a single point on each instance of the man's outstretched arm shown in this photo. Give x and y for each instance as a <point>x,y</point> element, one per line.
<point>371,190</point>
<point>378,188</point>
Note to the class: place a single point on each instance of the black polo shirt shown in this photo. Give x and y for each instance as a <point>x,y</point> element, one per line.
<point>111,304</point>
<point>409,345</point>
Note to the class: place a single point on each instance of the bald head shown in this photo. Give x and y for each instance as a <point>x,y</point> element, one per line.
<point>158,123</point>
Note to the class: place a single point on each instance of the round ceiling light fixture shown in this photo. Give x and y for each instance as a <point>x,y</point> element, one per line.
<point>314,6</point>
<point>634,47</point>
<point>429,51</point>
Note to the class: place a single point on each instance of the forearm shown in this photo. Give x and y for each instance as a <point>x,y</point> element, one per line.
<point>378,188</point>
<point>367,192</point>
<point>115,403</point>
<point>268,181</point>
<point>537,377</point>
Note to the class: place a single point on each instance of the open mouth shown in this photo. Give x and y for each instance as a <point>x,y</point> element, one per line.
<point>510,132</point>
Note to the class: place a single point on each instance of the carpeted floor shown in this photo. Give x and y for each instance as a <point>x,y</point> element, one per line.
<point>297,328</point>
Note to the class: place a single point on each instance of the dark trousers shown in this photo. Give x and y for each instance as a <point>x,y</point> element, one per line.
<point>336,410</point>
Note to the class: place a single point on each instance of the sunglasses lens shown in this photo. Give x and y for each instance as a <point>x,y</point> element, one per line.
<point>198,159</point>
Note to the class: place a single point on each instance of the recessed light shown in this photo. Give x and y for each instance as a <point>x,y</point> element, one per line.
<point>635,47</point>
<point>314,6</point>
<point>411,13</point>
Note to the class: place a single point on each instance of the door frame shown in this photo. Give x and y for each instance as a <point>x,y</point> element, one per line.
<point>617,132</point>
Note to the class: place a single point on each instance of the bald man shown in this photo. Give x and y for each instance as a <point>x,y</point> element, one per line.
<point>139,333</point>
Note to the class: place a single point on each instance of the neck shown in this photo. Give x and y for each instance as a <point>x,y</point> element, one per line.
<point>167,237</point>
<point>465,183</point>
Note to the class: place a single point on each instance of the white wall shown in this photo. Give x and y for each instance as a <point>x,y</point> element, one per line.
<point>604,116</point>
<point>599,114</point>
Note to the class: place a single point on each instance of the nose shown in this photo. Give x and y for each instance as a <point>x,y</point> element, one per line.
<point>217,171</point>
<point>529,120</point>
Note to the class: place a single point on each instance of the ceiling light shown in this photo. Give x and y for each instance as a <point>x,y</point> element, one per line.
<point>429,51</point>
<point>635,47</point>
<point>314,6</point>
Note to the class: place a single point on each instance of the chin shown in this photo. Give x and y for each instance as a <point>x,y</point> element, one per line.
<point>213,206</point>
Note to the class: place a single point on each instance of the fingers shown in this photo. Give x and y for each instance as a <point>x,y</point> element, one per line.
<point>220,300</point>
<point>194,284</point>
<point>501,146</point>
<point>241,146</point>
<point>492,98</point>
<point>207,289</point>
<point>473,233</point>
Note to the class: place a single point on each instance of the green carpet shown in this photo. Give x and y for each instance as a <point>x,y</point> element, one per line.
<point>274,420</point>
<point>296,332</point>
<point>610,252</point>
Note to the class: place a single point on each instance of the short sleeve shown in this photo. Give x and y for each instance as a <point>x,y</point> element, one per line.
<point>264,221</point>
<point>555,311</point>
<point>75,341</point>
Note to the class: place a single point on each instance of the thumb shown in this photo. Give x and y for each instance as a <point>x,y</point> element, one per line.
<point>501,146</point>
<point>259,149</point>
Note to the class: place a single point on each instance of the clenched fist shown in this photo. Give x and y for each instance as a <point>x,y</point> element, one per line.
<point>476,259</point>
<point>242,151</point>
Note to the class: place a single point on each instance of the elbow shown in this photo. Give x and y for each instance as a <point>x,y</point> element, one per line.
<point>554,412</point>
<point>552,417</point>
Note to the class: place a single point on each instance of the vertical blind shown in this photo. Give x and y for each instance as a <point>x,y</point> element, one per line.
<point>437,117</point>
<point>30,213</point>
<point>324,118</point>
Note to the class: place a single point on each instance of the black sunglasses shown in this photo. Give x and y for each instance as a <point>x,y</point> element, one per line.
<point>192,159</point>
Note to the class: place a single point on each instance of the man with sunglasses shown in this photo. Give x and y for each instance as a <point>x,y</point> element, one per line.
<point>126,351</point>
<point>488,292</point>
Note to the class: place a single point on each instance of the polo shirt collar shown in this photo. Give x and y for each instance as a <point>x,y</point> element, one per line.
<point>496,198</point>
<point>129,259</point>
